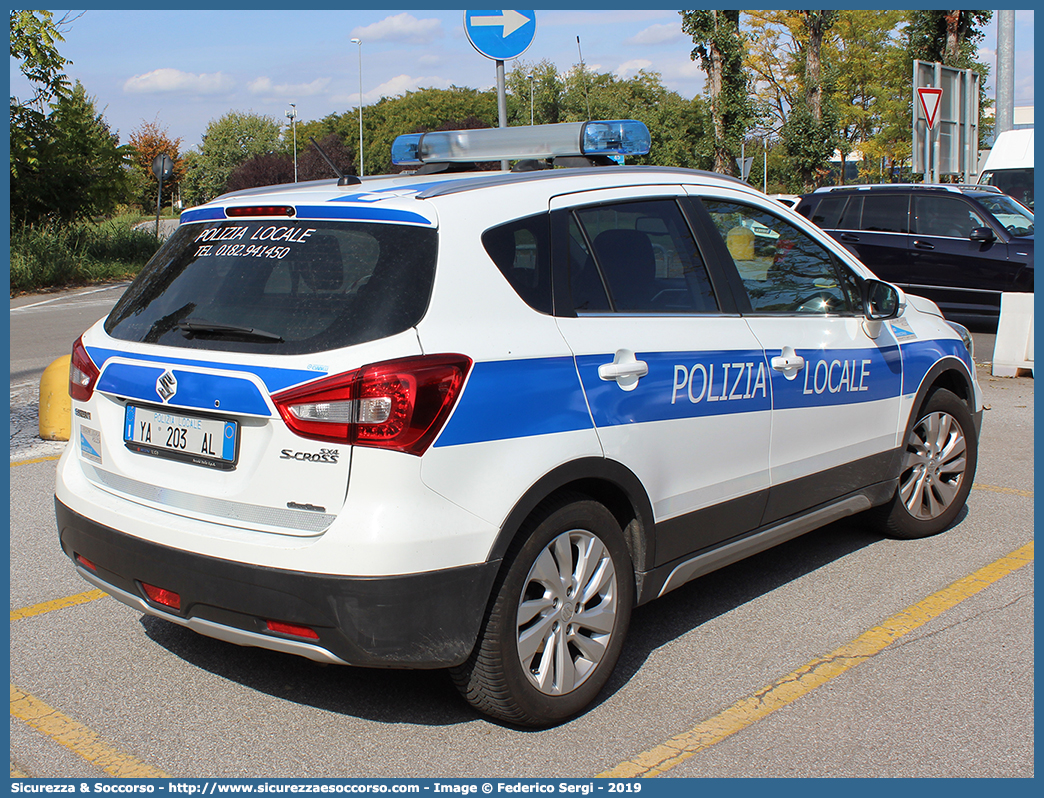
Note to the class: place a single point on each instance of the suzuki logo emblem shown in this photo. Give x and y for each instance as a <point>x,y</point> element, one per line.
<point>166,385</point>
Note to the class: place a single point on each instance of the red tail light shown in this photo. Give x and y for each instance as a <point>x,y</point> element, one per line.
<point>83,374</point>
<point>398,404</point>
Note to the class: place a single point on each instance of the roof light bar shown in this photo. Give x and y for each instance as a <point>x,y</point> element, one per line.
<point>614,137</point>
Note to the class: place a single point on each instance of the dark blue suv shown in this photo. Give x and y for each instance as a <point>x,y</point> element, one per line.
<point>960,246</point>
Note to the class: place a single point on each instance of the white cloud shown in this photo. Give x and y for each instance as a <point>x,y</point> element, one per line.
<point>164,81</point>
<point>400,28</point>
<point>395,87</point>
<point>265,86</point>
<point>632,67</point>
<point>658,34</point>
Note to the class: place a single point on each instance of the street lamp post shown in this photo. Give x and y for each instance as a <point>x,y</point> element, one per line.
<point>359,42</point>
<point>292,116</point>
<point>530,76</point>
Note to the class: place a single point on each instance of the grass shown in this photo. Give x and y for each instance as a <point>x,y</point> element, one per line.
<point>81,253</point>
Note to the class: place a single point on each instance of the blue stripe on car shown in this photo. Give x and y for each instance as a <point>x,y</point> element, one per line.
<point>239,395</point>
<point>516,399</point>
<point>920,356</point>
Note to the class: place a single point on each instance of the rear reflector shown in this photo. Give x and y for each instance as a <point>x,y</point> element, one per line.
<point>296,630</point>
<point>85,562</point>
<point>168,598</point>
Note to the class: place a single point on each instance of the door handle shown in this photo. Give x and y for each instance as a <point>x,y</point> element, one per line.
<point>789,362</point>
<point>625,370</point>
<point>923,244</point>
<point>849,237</point>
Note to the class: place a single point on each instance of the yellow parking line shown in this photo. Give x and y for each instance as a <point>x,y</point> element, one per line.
<point>57,604</point>
<point>78,738</point>
<point>998,489</point>
<point>35,460</point>
<point>816,673</point>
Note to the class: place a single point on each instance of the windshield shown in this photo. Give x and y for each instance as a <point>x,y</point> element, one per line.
<point>1017,183</point>
<point>1016,218</point>
<point>279,287</point>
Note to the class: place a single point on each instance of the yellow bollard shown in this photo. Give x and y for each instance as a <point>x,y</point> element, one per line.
<point>55,404</point>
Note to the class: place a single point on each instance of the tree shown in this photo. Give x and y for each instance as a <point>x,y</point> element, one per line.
<point>866,75</point>
<point>547,88</point>
<point>269,169</point>
<point>148,141</point>
<point>720,49</point>
<point>79,168</point>
<point>947,36</point>
<point>33,39</point>
<point>425,109</point>
<point>228,142</point>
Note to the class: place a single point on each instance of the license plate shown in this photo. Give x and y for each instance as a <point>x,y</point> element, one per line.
<point>211,442</point>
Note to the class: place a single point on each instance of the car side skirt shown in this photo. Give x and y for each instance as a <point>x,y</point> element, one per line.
<point>669,576</point>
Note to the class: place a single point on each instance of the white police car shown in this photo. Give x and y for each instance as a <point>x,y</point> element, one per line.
<point>469,420</point>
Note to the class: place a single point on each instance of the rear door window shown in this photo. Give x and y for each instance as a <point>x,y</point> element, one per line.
<point>949,217</point>
<point>636,257</point>
<point>286,287</point>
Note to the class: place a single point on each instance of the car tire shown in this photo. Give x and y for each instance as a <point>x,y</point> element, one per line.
<point>557,619</point>
<point>937,471</point>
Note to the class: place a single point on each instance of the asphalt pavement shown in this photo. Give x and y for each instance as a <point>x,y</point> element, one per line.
<point>101,689</point>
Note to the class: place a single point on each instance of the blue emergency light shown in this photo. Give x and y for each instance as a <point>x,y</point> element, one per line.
<point>610,138</point>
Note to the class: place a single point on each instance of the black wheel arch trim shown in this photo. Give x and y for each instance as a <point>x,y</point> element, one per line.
<point>930,381</point>
<point>601,479</point>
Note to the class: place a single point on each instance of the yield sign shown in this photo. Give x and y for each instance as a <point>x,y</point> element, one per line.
<point>929,98</point>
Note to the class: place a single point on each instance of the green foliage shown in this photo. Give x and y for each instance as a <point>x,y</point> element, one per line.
<point>73,167</point>
<point>49,255</point>
<point>33,39</point>
<point>947,36</point>
<point>149,141</point>
<point>227,143</point>
<point>720,48</point>
<point>808,145</point>
<point>547,87</point>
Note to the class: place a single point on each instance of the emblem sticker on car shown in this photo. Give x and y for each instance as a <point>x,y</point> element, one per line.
<point>90,444</point>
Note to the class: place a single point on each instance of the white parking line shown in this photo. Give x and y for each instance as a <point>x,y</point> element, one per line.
<point>68,296</point>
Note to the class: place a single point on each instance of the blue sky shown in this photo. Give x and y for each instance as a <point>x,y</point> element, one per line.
<point>185,68</point>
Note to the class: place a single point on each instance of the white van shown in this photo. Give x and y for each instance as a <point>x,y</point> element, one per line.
<point>1009,166</point>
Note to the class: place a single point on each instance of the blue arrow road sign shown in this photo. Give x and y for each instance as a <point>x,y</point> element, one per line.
<point>500,35</point>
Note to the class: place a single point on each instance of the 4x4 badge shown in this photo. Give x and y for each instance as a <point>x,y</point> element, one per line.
<point>166,385</point>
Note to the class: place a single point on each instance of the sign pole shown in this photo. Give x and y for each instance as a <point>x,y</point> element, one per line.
<point>502,103</point>
<point>500,35</point>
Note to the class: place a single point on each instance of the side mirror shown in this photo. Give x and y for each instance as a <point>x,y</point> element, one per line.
<point>983,234</point>
<point>881,300</point>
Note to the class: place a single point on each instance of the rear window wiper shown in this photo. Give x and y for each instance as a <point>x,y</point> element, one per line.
<point>197,326</point>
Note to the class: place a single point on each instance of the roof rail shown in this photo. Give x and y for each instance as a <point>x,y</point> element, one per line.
<point>951,187</point>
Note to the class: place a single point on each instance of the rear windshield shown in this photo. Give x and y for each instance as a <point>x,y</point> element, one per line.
<point>287,287</point>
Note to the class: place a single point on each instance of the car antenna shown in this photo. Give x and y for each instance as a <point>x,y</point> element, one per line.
<point>342,178</point>
<point>583,78</point>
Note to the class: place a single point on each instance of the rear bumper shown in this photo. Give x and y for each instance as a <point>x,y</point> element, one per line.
<point>425,620</point>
